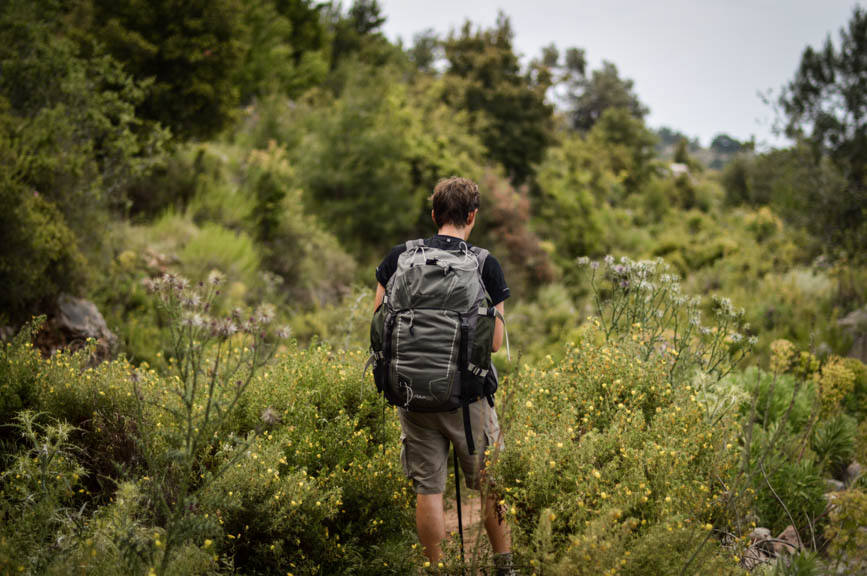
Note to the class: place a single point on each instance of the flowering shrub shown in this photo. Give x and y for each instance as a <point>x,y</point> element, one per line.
<point>301,477</point>
<point>642,302</point>
<point>602,451</point>
<point>845,532</point>
<point>245,454</point>
<point>323,486</point>
<point>18,368</point>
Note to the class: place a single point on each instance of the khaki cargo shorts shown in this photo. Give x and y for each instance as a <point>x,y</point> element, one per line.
<point>425,440</point>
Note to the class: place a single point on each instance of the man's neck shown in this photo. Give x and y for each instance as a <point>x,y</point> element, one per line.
<point>450,230</point>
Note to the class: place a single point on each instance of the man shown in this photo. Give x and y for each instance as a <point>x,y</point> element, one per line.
<point>426,436</point>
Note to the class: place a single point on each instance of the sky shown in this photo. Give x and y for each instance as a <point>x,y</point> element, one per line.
<point>699,65</point>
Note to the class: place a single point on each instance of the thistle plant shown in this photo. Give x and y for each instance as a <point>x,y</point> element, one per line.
<point>642,302</point>
<point>38,488</point>
<point>213,361</point>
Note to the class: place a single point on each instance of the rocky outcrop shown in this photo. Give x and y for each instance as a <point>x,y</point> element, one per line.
<point>852,473</point>
<point>855,325</point>
<point>788,541</point>
<point>74,321</point>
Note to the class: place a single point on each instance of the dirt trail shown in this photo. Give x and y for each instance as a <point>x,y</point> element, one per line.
<point>471,512</point>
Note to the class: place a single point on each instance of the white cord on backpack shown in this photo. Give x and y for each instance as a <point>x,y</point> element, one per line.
<point>498,314</point>
<point>508,352</point>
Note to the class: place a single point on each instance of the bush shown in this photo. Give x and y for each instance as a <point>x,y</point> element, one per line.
<point>772,394</point>
<point>312,267</point>
<point>641,303</point>
<point>303,475</point>
<point>604,447</point>
<point>40,255</point>
<point>19,373</point>
<point>336,432</point>
<point>847,548</point>
<point>855,402</point>
<point>214,247</point>
<point>800,487</point>
<point>38,486</point>
<point>833,442</point>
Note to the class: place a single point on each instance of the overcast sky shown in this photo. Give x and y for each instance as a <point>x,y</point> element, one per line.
<point>697,64</point>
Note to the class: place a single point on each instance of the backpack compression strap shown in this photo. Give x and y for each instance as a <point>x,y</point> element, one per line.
<point>481,255</point>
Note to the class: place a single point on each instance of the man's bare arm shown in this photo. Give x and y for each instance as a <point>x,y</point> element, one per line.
<point>380,292</point>
<point>498,327</point>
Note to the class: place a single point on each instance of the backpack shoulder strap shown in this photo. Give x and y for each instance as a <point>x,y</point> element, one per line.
<point>482,255</point>
<point>410,244</point>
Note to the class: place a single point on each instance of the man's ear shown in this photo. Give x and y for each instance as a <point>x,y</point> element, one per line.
<point>432,217</point>
<point>472,217</point>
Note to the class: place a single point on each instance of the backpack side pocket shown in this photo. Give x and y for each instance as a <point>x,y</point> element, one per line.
<point>479,365</point>
<point>377,334</point>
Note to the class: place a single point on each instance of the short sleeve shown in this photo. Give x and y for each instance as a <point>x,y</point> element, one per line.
<point>494,280</point>
<point>388,266</point>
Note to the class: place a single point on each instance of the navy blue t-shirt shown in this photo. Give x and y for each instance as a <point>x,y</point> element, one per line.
<point>492,273</point>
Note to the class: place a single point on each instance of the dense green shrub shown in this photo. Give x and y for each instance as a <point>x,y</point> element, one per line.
<point>19,374</point>
<point>856,401</point>
<point>833,442</point>
<point>800,488</point>
<point>311,265</point>
<point>773,395</point>
<point>605,447</point>
<point>302,477</point>
<point>845,532</point>
<point>38,488</point>
<point>40,255</point>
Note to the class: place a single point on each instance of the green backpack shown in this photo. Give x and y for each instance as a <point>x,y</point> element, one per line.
<point>432,336</point>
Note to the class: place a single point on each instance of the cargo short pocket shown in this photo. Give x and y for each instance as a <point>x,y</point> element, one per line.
<point>492,435</point>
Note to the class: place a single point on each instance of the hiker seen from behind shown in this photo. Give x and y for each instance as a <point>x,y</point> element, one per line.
<point>439,314</point>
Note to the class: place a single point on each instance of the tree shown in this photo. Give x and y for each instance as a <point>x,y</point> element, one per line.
<point>288,48</point>
<point>826,108</point>
<point>426,50</point>
<point>354,164</point>
<point>508,108</point>
<point>627,144</point>
<point>826,102</point>
<point>70,144</point>
<point>725,144</point>
<point>191,50</point>
<point>604,89</point>
<point>573,186</point>
<point>358,34</point>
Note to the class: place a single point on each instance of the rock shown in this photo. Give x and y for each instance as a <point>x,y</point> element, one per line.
<point>6,333</point>
<point>77,320</point>
<point>832,485</point>
<point>790,544</point>
<point>81,318</point>
<point>759,543</point>
<point>852,473</point>
<point>753,557</point>
<point>760,534</point>
<point>855,325</point>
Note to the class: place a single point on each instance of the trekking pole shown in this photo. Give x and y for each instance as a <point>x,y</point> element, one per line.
<point>458,499</point>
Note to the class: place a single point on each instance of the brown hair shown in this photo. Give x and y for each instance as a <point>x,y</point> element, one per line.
<point>453,199</point>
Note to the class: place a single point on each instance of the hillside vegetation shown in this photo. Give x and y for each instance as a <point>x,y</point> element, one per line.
<point>221,178</point>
